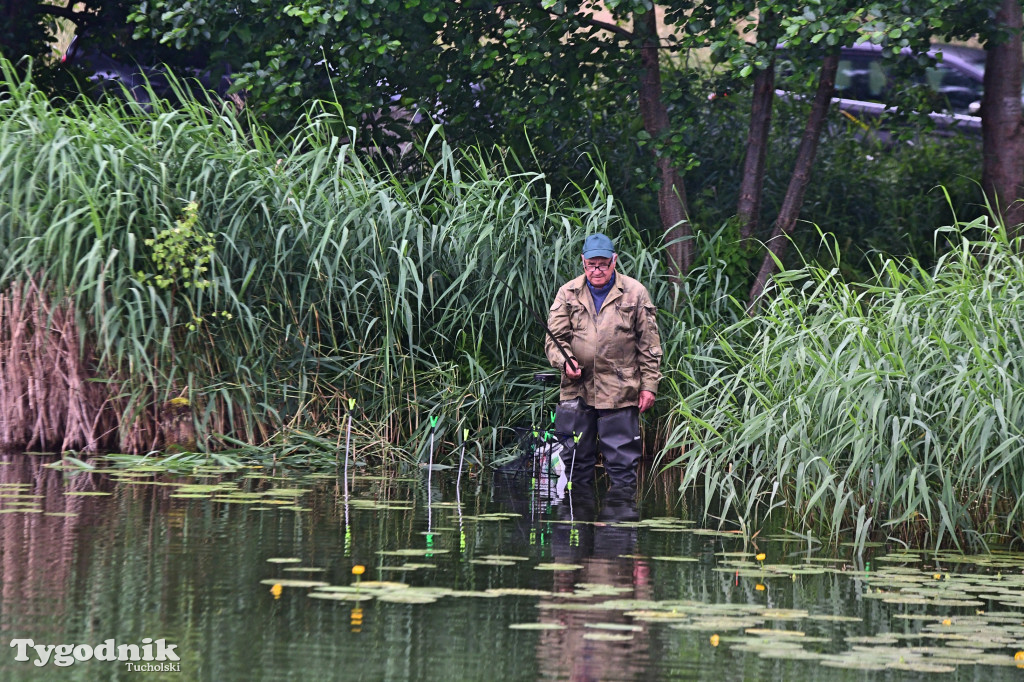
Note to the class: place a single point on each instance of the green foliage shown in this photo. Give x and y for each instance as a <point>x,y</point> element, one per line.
<point>393,66</point>
<point>24,33</point>
<point>549,81</point>
<point>887,410</point>
<point>181,256</point>
<point>346,282</point>
<point>181,253</point>
<point>873,198</point>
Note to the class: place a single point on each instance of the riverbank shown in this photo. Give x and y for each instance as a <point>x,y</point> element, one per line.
<point>176,274</point>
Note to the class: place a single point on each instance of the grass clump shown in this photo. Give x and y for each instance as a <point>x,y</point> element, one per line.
<point>891,409</point>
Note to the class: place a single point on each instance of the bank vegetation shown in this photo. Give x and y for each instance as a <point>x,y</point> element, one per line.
<point>177,276</point>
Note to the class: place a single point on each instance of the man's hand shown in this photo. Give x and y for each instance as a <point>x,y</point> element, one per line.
<point>573,373</point>
<point>646,400</point>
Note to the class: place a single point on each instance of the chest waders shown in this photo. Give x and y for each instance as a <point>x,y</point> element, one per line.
<point>616,433</point>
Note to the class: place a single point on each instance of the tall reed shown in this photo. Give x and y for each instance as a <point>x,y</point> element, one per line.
<point>268,281</point>
<point>892,409</point>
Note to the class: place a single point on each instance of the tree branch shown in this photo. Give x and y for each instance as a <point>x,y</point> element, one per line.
<point>611,28</point>
<point>78,18</point>
<point>595,23</point>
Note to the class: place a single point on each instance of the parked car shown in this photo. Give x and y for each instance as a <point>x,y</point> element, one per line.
<point>866,86</point>
<point>129,77</point>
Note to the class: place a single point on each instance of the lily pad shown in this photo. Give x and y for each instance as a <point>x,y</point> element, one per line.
<point>536,626</point>
<point>852,663</point>
<point>833,618</point>
<point>289,582</point>
<point>600,589</point>
<point>381,585</point>
<point>624,627</point>
<point>789,654</point>
<point>474,593</point>
<point>406,597</point>
<point>657,616</point>
<point>921,667</point>
<point>403,567</point>
<point>341,596</point>
<point>783,614</point>
<point>339,589</point>
<point>719,624</point>
<point>558,567</point>
<point>520,591</point>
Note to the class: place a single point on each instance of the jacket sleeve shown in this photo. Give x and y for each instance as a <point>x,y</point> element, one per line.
<point>560,325</point>
<point>648,345</point>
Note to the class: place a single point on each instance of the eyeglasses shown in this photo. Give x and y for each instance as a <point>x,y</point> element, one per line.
<point>591,267</point>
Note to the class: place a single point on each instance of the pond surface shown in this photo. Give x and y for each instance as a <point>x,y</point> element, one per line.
<point>249,575</point>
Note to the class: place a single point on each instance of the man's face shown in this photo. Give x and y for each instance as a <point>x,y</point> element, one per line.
<point>599,270</point>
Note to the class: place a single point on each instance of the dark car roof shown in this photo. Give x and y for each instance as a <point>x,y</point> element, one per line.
<point>972,55</point>
<point>962,59</point>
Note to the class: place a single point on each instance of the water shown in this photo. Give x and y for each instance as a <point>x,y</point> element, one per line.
<point>139,563</point>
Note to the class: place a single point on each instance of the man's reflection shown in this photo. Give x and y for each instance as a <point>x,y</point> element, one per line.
<point>599,535</point>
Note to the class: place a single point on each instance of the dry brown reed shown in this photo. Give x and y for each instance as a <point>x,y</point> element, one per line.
<point>52,396</point>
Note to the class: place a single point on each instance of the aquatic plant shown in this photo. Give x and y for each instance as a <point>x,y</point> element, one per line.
<point>891,409</point>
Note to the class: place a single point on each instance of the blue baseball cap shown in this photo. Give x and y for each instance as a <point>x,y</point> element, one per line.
<point>598,246</point>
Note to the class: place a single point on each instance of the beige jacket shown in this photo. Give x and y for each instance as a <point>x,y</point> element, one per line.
<point>619,348</point>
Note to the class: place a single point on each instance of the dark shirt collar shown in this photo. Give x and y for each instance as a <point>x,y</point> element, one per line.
<point>603,290</point>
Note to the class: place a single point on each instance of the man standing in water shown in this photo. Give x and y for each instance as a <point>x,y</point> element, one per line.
<point>607,322</point>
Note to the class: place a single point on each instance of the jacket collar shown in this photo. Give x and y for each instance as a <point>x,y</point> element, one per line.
<point>579,287</point>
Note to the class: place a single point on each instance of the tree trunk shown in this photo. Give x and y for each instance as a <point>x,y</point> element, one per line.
<point>1002,170</point>
<point>672,193</point>
<point>801,177</point>
<point>748,208</point>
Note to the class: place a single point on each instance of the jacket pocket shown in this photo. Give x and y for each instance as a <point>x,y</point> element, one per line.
<point>626,315</point>
<point>578,317</point>
<point>629,382</point>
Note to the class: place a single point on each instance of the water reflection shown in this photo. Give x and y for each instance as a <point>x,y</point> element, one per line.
<point>142,562</point>
<point>42,544</point>
<point>593,534</point>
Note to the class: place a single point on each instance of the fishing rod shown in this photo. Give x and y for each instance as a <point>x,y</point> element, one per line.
<point>540,320</point>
